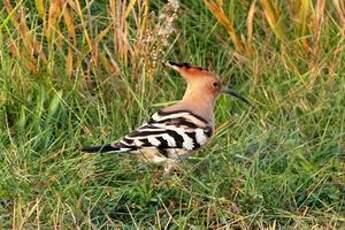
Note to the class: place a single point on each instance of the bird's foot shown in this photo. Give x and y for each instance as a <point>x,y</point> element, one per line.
<point>172,167</point>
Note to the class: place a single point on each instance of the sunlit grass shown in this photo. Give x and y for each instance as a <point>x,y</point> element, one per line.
<point>79,73</point>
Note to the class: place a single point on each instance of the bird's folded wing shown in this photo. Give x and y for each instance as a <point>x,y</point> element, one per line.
<point>179,129</point>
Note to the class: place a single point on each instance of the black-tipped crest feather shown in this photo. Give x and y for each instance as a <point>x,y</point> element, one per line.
<point>181,64</point>
<point>186,65</point>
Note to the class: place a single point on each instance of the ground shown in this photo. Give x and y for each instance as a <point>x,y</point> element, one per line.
<point>89,75</point>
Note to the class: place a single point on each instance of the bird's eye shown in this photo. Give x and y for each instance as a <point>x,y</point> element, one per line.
<point>215,84</point>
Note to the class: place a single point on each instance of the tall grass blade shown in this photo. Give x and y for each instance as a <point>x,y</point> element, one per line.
<point>273,18</point>
<point>129,7</point>
<point>304,14</point>
<point>68,19</point>
<point>317,28</point>
<point>250,27</point>
<point>52,23</point>
<point>228,24</point>
<point>40,8</point>
<point>340,8</point>
<point>53,107</point>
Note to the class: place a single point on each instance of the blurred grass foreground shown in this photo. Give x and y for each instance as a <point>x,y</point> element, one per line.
<point>75,73</point>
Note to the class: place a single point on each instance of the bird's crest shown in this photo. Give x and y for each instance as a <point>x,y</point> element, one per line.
<point>183,66</point>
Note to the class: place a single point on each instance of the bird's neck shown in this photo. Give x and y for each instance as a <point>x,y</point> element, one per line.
<point>200,104</point>
<point>196,102</point>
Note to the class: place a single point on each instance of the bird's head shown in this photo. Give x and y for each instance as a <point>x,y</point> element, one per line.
<point>203,82</point>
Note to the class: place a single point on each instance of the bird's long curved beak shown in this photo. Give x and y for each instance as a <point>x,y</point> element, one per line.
<point>237,95</point>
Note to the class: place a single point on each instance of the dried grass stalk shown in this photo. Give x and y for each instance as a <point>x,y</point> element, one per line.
<point>273,18</point>
<point>227,22</point>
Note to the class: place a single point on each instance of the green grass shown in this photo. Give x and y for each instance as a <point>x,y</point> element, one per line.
<point>280,165</point>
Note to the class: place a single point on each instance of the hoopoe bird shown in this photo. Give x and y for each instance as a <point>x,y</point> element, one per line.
<point>175,132</point>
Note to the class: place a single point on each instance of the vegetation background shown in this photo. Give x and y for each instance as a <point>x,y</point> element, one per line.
<point>78,73</point>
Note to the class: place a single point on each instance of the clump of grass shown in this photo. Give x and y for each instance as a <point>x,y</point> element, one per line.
<point>299,34</point>
<point>68,29</point>
<point>278,166</point>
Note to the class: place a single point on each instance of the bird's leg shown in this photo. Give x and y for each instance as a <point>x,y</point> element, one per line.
<point>170,167</point>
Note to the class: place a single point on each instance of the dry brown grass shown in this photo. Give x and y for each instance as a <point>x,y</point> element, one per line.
<point>137,37</point>
<point>280,165</point>
<point>298,33</point>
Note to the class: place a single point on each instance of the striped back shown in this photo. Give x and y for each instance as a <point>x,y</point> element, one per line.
<point>180,129</point>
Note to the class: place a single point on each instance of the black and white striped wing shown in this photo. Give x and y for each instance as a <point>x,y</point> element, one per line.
<point>164,131</point>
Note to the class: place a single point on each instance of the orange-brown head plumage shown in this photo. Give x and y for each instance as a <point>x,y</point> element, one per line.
<point>203,87</point>
<point>199,80</point>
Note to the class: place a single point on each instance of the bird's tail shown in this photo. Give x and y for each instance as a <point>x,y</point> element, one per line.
<point>102,149</point>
